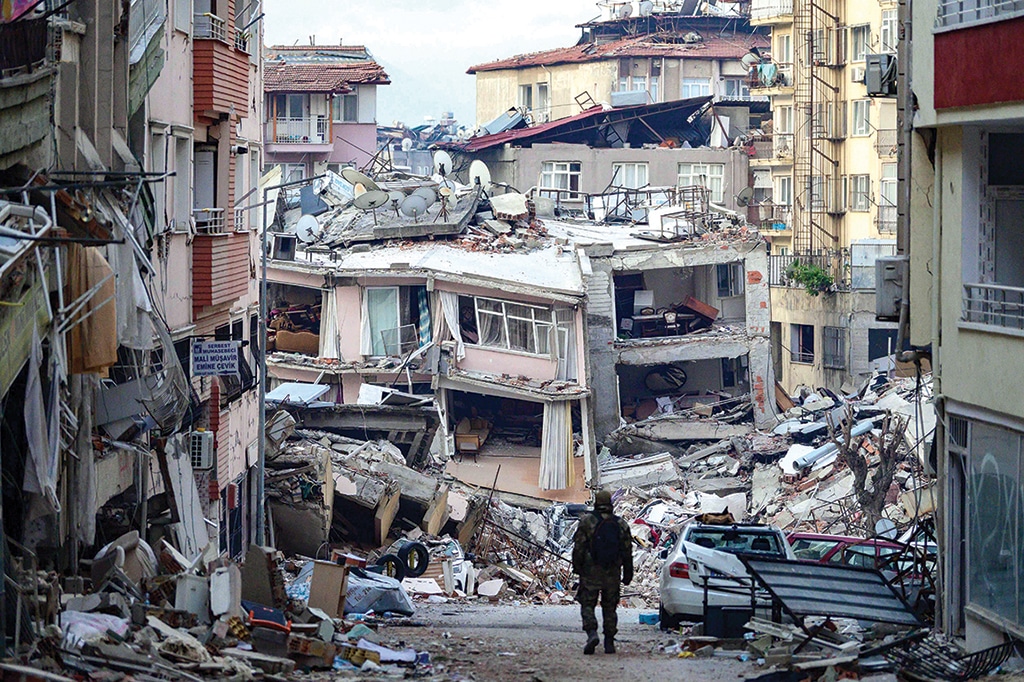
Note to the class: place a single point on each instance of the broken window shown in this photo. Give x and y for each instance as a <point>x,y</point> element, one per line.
<point>507,325</point>
<point>861,118</point>
<point>629,175</point>
<point>860,38</point>
<point>695,87</point>
<point>801,344</point>
<point>345,108</point>
<point>708,175</point>
<point>730,279</point>
<point>860,192</point>
<point>834,347</point>
<point>562,175</point>
<point>393,320</point>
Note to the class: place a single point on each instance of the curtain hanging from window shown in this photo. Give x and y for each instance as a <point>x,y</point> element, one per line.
<point>450,309</point>
<point>556,462</point>
<point>330,337</point>
<point>424,325</point>
<point>365,337</point>
<point>382,306</point>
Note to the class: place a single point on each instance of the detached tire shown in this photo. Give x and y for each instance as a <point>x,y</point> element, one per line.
<point>393,567</point>
<point>416,558</point>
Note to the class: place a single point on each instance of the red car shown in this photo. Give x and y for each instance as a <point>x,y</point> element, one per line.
<point>842,549</point>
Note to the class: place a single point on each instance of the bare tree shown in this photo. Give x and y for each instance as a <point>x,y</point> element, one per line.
<point>871,492</point>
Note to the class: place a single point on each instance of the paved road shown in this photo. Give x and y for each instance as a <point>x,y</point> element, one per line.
<point>529,643</point>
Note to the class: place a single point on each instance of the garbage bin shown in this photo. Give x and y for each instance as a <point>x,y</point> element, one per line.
<point>726,622</point>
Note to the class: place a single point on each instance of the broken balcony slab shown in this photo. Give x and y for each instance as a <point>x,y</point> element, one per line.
<point>659,469</point>
<point>675,429</point>
<point>411,428</point>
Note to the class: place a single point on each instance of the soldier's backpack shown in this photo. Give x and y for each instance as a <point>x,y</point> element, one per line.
<point>604,546</point>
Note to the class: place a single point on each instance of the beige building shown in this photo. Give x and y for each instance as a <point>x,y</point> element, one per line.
<point>622,62</point>
<point>828,162</point>
<point>967,300</point>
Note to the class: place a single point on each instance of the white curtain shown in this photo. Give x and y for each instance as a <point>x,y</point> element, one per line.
<point>450,310</point>
<point>365,337</point>
<point>330,336</point>
<point>556,465</point>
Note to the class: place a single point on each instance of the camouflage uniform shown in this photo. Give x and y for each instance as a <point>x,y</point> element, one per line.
<point>603,580</point>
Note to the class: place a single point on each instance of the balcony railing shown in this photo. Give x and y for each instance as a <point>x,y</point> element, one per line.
<point>241,41</point>
<point>22,44</point>
<point>209,26</point>
<point>886,141</point>
<point>769,9</point>
<point>209,220</point>
<point>300,130</point>
<point>776,218</point>
<point>835,264</point>
<point>783,143</point>
<point>953,13</point>
<point>886,218</point>
<point>762,147</point>
<point>994,305</point>
<point>241,220</point>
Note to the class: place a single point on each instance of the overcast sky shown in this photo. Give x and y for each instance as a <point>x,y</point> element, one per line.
<point>427,45</point>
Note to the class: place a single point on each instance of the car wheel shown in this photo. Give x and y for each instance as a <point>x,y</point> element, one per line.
<point>669,621</point>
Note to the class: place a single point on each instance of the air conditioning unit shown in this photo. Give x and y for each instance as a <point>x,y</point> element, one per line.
<point>880,74</point>
<point>857,74</point>
<point>889,280</point>
<point>201,450</point>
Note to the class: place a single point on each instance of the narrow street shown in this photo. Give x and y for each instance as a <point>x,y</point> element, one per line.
<point>545,643</point>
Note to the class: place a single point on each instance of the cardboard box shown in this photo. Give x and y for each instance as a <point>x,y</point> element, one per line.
<point>328,588</point>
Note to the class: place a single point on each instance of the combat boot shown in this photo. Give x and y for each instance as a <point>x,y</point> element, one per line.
<point>592,641</point>
<point>609,645</point>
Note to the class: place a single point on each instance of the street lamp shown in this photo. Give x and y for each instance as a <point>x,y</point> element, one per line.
<point>261,504</point>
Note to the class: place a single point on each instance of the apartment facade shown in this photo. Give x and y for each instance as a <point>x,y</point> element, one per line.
<point>827,173</point>
<point>622,62</point>
<point>320,105</point>
<point>966,293</point>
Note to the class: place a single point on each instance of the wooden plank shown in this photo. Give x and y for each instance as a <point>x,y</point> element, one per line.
<point>782,398</point>
<point>437,512</point>
<point>386,511</point>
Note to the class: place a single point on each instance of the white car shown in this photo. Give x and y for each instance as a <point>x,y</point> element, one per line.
<point>711,551</point>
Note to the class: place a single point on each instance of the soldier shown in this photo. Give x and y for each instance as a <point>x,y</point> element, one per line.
<point>603,555</point>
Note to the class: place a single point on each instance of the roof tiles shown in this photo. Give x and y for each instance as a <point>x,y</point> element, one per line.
<point>320,69</point>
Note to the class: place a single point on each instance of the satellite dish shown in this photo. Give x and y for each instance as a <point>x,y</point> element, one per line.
<point>427,193</point>
<point>413,206</point>
<point>749,60</point>
<point>371,200</point>
<point>745,196</point>
<point>307,229</point>
<point>625,11</point>
<point>358,189</point>
<point>355,178</point>
<point>445,192</point>
<point>646,8</point>
<point>407,144</point>
<point>885,528</point>
<point>395,197</point>
<point>443,163</point>
<point>479,173</point>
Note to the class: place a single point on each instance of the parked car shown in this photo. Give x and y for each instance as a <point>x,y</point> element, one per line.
<point>842,549</point>
<point>711,551</point>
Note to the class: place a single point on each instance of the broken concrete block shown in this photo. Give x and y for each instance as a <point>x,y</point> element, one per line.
<point>226,591</point>
<point>272,665</point>
<point>491,588</point>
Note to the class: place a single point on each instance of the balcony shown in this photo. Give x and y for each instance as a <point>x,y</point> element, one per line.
<point>776,219</point>
<point>886,219</point>
<point>220,70</point>
<point>886,141</point>
<point>768,75</point>
<point>770,11</point>
<point>25,84</point>
<point>783,145</point>
<point>209,220</point>
<point>220,265</point>
<point>307,134</point>
<point>993,305</point>
<point>836,264</point>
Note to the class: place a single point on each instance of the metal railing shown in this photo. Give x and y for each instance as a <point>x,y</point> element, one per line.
<point>768,9</point>
<point>954,13</point>
<point>762,147</point>
<point>241,41</point>
<point>209,220</point>
<point>241,220</point>
<point>22,44</point>
<point>776,218</point>
<point>306,130</point>
<point>208,25</point>
<point>886,141</point>
<point>994,305</point>
<point>835,264</point>
<point>886,218</point>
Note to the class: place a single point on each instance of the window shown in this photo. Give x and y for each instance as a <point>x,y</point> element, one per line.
<point>159,165</point>
<point>860,37</point>
<point>182,189</point>
<point>507,325</point>
<point>861,117</point>
<point>294,171</point>
<point>801,343</point>
<point>784,119</point>
<point>709,175</point>
<point>543,102</point>
<point>394,319</point>
<point>887,199</point>
<point>695,87</point>
<point>735,88</point>
<point>563,175</point>
<point>817,186</point>
<point>345,108</point>
<point>730,279</point>
<point>629,175</point>
<point>860,193</point>
<point>183,15</point>
<point>289,106</point>
<point>784,51</point>
<point>890,31</point>
<point>833,354</point>
<point>784,190</point>
<point>526,97</point>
